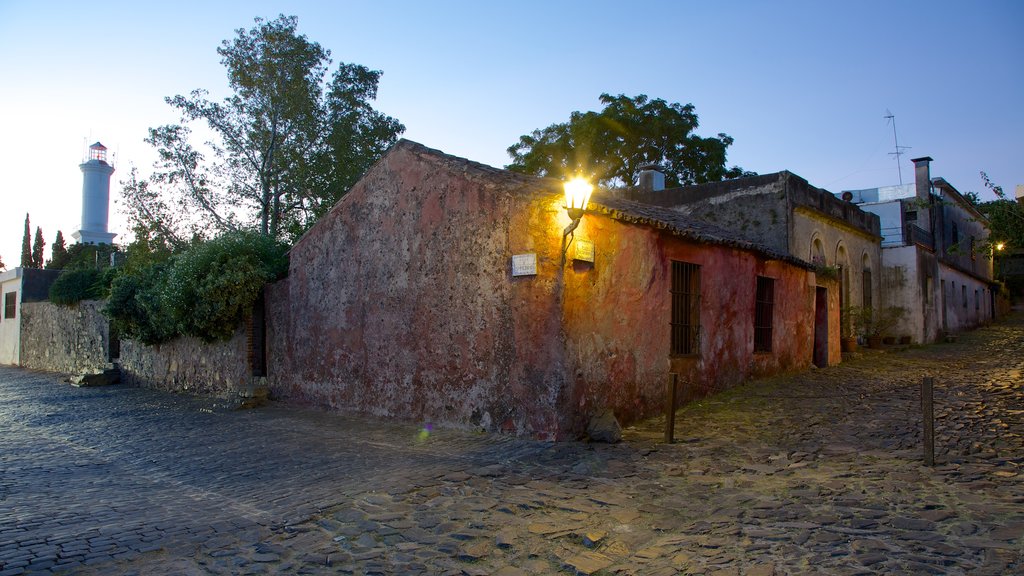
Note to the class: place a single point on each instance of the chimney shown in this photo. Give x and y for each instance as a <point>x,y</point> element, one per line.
<point>923,177</point>
<point>652,179</point>
<point>1020,193</point>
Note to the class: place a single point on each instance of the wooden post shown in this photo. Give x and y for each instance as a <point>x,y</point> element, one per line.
<point>670,408</point>
<point>928,416</point>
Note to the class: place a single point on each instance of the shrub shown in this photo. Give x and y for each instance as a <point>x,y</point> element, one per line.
<point>73,286</point>
<point>205,291</point>
<point>137,307</point>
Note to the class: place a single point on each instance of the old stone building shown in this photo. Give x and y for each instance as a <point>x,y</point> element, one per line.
<point>446,291</point>
<point>785,213</point>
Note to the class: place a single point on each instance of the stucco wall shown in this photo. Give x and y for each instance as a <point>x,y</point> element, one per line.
<point>400,303</point>
<point>67,339</point>
<point>618,313</point>
<point>842,247</point>
<point>10,328</point>
<point>189,365</point>
<point>960,317</point>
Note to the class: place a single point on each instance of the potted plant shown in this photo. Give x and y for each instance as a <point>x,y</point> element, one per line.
<point>848,328</point>
<point>875,324</point>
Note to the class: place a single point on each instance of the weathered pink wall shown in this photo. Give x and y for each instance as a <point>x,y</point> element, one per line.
<point>401,303</point>
<point>617,314</point>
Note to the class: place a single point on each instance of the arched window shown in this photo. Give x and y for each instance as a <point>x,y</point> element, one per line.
<point>817,251</point>
<point>866,282</point>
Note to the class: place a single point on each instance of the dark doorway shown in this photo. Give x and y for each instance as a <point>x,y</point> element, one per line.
<point>821,327</point>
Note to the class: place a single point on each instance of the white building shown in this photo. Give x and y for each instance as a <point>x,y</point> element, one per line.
<point>936,262</point>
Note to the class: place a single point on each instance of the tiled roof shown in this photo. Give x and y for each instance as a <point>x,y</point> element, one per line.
<point>679,224</point>
<point>621,209</point>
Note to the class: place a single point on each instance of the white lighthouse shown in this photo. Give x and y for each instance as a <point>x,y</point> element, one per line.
<point>95,197</point>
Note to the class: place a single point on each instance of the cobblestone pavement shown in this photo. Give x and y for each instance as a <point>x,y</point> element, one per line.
<point>818,473</point>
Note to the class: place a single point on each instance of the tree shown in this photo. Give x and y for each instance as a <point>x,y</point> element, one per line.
<point>611,146</point>
<point>1005,216</point>
<point>37,249</point>
<point>58,253</point>
<point>26,245</point>
<point>285,146</point>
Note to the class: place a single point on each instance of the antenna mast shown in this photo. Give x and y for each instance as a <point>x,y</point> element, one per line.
<point>899,149</point>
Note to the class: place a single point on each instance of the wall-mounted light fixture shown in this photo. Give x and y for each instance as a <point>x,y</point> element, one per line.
<point>577,194</point>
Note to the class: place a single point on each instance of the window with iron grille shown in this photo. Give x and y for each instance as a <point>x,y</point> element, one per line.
<point>963,290</point>
<point>763,312</point>
<point>685,308</point>
<point>10,304</point>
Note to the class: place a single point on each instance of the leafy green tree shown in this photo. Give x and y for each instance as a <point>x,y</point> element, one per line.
<point>58,253</point>
<point>2,265</point>
<point>1005,216</point>
<point>26,245</point>
<point>611,146</point>
<point>38,245</point>
<point>285,144</point>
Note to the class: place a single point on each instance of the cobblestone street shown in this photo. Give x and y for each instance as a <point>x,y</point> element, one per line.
<point>818,473</point>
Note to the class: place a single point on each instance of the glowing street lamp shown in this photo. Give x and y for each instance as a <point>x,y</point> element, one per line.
<point>577,194</point>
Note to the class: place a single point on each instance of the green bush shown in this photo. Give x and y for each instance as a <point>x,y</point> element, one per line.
<point>73,286</point>
<point>205,291</point>
<point>136,307</point>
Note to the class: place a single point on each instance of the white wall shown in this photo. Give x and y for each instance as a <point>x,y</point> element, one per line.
<point>10,328</point>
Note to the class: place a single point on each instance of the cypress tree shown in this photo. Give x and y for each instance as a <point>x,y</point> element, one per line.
<point>58,253</point>
<point>37,249</point>
<point>26,246</point>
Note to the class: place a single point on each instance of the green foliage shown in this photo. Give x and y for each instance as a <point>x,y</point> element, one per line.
<point>137,307</point>
<point>73,286</point>
<point>611,146</point>
<point>38,245</point>
<point>59,256</point>
<point>284,145</point>
<point>26,245</point>
<point>213,286</point>
<point>89,256</point>
<point>204,291</point>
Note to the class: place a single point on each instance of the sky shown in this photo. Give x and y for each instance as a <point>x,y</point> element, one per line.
<point>802,86</point>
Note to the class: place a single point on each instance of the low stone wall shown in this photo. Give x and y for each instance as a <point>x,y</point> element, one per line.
<point>68,339</point>
<point>188,364</point>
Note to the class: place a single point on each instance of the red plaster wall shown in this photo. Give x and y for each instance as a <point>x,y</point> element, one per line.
<point>618,312</point>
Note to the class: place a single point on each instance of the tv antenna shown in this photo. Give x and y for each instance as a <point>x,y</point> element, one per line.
<point>899,149</point>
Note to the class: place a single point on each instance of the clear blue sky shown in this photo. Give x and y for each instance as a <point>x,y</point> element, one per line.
<point>801,86</point>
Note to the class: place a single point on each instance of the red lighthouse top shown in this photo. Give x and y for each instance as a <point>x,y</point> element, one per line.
<point>98,152</point>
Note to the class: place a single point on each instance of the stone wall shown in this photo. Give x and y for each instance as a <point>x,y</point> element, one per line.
<point>68,339</point>
<point>187,364</point>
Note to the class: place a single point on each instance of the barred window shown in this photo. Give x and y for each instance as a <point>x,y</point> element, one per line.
<point>685,308</point>
<point>763,314</point>
<point>10,304</point>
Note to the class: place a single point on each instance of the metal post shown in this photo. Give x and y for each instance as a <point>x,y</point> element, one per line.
<point>928,416</point>
<point>670,408</point>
